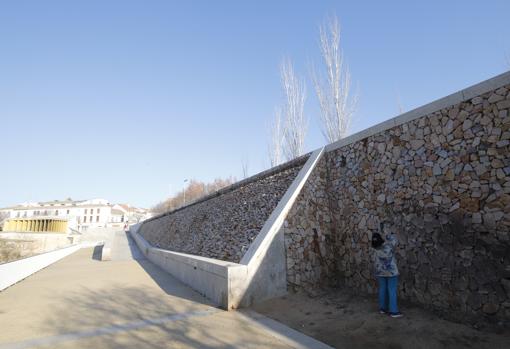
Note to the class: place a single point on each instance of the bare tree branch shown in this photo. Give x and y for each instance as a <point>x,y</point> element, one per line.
<point>244,164</point>
<point>295,123</point>
<point>193,191</point>
<point>399,105</point>
<point>333,91</point>
<point>276,139</point>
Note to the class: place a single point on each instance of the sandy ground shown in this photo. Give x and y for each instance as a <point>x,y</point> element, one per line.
<point>345,320</point>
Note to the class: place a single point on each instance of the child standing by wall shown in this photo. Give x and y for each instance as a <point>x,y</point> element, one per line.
<point>386,271</point>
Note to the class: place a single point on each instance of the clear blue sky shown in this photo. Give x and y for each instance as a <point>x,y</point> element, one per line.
<point>125,99</point>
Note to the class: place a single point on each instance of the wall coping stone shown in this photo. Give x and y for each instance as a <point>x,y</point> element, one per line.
<point>452,99</point>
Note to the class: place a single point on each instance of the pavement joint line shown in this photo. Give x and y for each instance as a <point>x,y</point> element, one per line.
<point>113,329</point>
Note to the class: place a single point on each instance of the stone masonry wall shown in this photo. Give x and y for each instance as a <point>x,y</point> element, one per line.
<point>307,233</point>
<point>223,226</point>
<point>443,182</point>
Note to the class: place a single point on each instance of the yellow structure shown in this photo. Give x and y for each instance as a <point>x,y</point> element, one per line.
<point>34,225</point>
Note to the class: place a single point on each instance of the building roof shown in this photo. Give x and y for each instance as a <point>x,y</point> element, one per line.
<point>66,201</point>
<point>59,203</point>
<point>37,218</point>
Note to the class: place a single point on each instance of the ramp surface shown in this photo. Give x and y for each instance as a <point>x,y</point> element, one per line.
<point>80,302</point>
<point>124,248</point>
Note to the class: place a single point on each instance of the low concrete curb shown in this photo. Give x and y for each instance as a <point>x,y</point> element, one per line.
<point>13,272</point>
<point>210,277</point>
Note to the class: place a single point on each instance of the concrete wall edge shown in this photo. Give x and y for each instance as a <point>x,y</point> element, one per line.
<point>15,271</point>
<point>275,220</point>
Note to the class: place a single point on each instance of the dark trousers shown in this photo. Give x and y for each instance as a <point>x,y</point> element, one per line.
<point>388,293</point>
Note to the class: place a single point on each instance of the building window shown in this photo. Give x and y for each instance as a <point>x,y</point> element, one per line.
<point>56,212</point>
<point>97,211</point>
<point>97,219</point>
<point>68,211</point>
<point>84,219</point>
<point>85,211</point>
<point>91,219</point>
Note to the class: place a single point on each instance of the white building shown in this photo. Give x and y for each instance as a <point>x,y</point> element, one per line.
<point>81,215</point>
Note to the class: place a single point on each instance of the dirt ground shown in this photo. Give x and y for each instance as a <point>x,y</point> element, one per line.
<point>345,320</point>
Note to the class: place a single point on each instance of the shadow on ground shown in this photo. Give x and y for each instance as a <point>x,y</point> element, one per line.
<point>172,286</point>
<point>167,283</point>
<point>97,253</point>
<point>137,318</point>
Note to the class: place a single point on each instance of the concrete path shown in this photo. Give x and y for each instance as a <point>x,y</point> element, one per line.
<point>124,248</point>
<point>80,302</point>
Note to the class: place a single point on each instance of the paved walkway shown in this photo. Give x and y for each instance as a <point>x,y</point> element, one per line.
<point>124,248</point>
<point>81,302</point>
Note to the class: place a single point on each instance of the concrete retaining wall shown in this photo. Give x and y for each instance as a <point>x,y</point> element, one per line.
<point>210,277</point>
<point>261,274</point>
<point>13,272</point>
<point>222,226</point>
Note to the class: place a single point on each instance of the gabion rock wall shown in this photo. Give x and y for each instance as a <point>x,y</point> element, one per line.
<point>223,226</point>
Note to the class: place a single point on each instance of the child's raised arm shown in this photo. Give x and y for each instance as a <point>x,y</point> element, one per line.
<point>392,239</point>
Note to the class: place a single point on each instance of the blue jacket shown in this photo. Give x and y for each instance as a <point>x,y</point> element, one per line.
<point>385,263</point>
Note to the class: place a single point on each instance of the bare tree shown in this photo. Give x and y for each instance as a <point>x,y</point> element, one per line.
<point>399,105</point>
<point>295,123</point>
<point>244,164</point>
<point>192,192</point>
<point>276,139</point>
<point>3,216</point>
<point>334,91</point>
